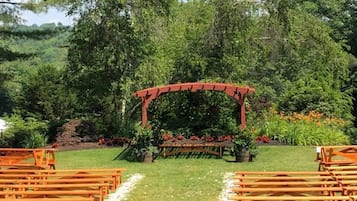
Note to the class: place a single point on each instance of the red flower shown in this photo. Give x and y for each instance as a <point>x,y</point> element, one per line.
<point>266,139</point>
<point>194,137</point>
<point>259,139</point>
<point>220,139</point>
<point>166,136</point>
<point>180,137</point>
<point>210,139</point>
<point>227,138</point>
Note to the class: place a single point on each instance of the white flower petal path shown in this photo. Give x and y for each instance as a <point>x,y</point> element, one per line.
<point>228,183</point>
<point>122,192</point>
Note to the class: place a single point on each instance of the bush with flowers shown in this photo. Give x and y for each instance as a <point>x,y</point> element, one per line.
<point>312,128</point>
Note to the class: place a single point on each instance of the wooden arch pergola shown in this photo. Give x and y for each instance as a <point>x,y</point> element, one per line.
<point>236,92</point>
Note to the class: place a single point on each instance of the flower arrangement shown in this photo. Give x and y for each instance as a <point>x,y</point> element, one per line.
<point>142,141</point>
<point>243,143</point>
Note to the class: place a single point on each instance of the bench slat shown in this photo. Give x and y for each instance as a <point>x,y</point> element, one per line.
<point>292,198</point>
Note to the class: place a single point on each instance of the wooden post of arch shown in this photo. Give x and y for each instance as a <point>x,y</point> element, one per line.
<point>236,92</point>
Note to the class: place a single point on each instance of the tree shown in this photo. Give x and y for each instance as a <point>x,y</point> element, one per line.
<point>44,96</point>
<point>104,53</point>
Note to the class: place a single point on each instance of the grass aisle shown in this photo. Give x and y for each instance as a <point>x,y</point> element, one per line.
<point>187,179</point>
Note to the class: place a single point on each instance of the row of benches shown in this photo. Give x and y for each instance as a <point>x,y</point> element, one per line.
<point>30,175</point>
<point>58,185</point>
<point>294,186</point>
<point>336,179</point>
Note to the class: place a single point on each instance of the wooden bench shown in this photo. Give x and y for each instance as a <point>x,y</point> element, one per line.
<point>18,157</point>
<point>292,198</point>
<point>286,186</point>
<point>329,156</point>
<point>346,177</point>
<point>171,149</point>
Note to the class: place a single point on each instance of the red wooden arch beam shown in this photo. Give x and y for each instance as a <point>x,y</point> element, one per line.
<point>237,92</point>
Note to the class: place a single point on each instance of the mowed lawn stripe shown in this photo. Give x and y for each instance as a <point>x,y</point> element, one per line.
<point>188,178</point>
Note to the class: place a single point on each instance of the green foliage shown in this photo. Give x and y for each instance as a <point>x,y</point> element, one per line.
<point>45,97</point>
<point>244,140</point>
<point>104,53</point>
<point>293,52</point>
<point>15,74</point>
<point>142,141</point>
<point>25,133</point>
<point>317,83</point>
<point>299,129</point>
<point>199,112</point>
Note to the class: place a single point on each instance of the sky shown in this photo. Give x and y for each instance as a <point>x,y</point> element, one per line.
<point>52,16</point>
<point>2,125</point>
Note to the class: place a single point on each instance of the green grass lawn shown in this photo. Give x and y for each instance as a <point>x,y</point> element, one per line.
<point>188,178</point>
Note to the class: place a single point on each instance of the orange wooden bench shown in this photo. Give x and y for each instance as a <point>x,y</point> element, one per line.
<point>286,186</point>
<point>329,156</point>
<point>18,157</point>
<point>79,184</point>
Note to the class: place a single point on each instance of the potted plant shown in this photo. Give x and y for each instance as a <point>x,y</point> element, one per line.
<point>244,147</point>
<point>142,142</point>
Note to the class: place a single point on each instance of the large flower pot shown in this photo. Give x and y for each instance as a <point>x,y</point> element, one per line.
<point>243,156</point>
<point>148,158</point>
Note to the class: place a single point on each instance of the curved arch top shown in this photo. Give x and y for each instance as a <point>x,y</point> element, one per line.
<point>234,91</point>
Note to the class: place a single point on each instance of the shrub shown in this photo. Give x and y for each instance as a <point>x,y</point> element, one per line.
<point>306,129</point>
<point>26,133</point>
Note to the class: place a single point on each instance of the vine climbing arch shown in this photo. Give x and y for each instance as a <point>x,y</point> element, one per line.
<point>237,92</point>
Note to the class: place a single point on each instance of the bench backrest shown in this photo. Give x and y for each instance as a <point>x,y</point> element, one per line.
<point>21,157</point>
<point>336,156</point>
<point>76,183</point>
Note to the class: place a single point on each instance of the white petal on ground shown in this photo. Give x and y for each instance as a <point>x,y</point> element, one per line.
<point>228,184</point>
<point>122,192</point>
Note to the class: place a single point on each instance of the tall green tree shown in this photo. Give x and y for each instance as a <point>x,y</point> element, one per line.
<point>106,46</point>
<point>45,97</point>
